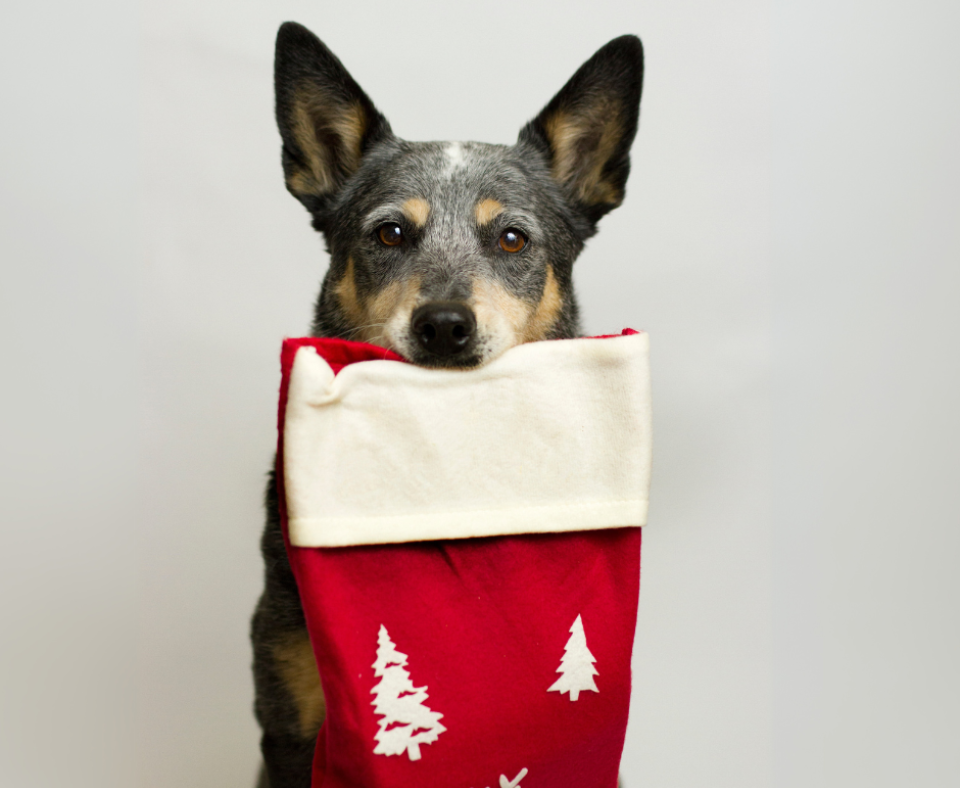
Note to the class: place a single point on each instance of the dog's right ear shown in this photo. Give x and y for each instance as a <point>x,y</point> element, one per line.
<point>326,121</point>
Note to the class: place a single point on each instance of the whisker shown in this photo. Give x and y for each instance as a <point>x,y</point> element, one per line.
<point>362,328</point>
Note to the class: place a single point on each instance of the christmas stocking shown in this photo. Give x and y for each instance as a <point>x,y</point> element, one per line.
<point>467,549</point>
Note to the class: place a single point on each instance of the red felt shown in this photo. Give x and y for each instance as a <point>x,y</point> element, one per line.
<point>484,623</point>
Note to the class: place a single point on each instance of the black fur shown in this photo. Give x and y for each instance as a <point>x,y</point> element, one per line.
<point>342,161</point>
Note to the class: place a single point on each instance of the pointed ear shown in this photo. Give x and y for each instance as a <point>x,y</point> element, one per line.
<point>587,128</point>
<point>326,121</point>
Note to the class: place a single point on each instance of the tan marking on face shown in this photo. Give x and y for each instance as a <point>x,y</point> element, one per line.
<point>488,210</point>
<point>582,145</point>
<point>397,297</point>
<point>298,672</point>
<point>499,312</point>
<point>375,319</point>
<point>391,310</point>
<point>545,316</point>
<point>346,291</point>
<point>416,209</point>
<point>506,320</point>
<point>317,115</point>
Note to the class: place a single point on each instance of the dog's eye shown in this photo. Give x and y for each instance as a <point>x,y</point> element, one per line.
<point>512,240</point>
<point>390,234</point>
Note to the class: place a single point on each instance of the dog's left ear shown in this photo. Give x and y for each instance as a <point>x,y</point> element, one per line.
<point>587,128</point>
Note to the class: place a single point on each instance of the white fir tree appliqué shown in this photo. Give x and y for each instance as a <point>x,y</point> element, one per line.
<point>407,722</point>
<point>576,667</point>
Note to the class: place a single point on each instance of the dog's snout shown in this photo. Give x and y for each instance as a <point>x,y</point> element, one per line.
<point>444,328</point>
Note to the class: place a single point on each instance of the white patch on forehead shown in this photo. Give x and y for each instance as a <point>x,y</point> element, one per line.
<point>455,160</point>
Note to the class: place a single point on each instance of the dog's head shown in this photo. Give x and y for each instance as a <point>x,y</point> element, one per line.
<point>450,253</point>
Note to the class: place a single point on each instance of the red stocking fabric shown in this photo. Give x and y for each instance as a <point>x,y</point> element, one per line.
<point>468,663</point>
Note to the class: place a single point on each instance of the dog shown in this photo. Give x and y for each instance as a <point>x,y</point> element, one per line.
<point>448,253</point>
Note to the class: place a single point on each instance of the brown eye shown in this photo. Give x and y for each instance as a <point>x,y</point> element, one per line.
<point>512,240</point>
<point>390,234</point>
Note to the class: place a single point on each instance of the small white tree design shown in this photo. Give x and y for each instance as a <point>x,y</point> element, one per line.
<point>576,667</point>
<point>407,722</point>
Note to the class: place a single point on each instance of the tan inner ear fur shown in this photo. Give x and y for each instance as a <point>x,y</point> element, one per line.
<point>598,129</point>
<point>298,671</point>
<point>316,113</point>
<point>369,317</point>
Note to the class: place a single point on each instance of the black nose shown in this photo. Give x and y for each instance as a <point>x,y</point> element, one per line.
<point>444,328</point>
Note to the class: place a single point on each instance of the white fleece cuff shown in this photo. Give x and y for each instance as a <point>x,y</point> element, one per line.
<point>551,436</point>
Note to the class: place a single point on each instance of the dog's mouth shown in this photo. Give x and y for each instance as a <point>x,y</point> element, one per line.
<point>460,362</point>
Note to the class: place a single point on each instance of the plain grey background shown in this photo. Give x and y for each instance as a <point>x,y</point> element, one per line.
<point>790,239</point>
